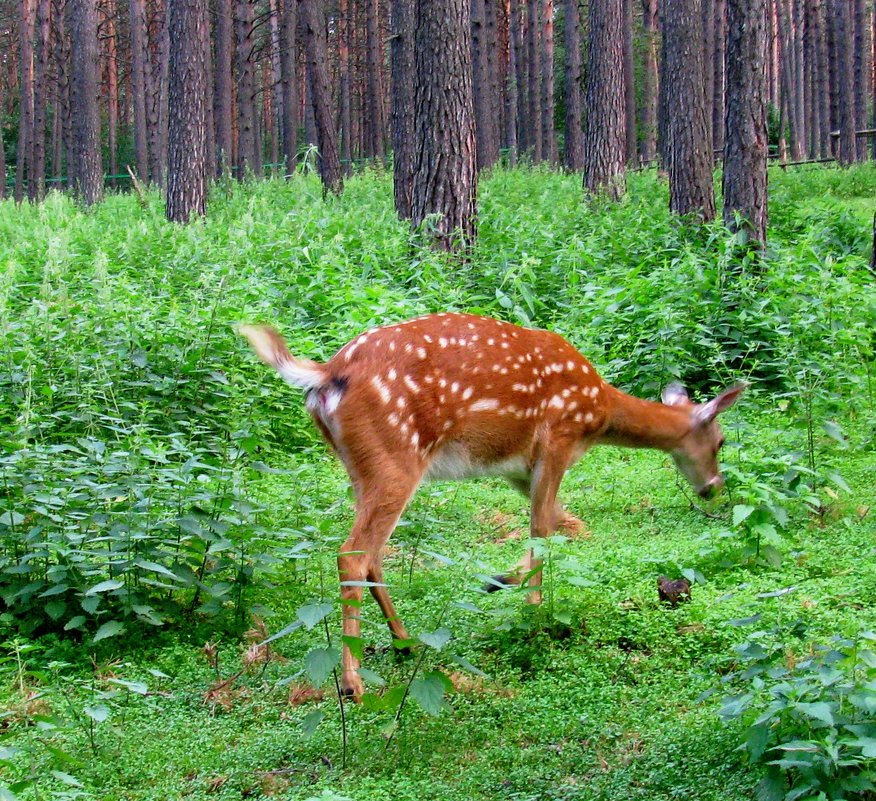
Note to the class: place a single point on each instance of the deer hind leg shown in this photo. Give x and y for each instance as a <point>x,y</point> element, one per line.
<point>378,509</point>
<point>381,594</point>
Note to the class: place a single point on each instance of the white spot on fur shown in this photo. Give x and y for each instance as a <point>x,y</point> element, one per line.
<point>409,348</point>
<point>442,342</point>
<point>556,402</point>
<point>570,365</point>
<point>412,385</point>
<point>393,419</point>
<point>392,374</point>
<point>468,393</point>
<point>385,394</point>
<point>427,338</point>
<point>415,439</point>
<point>588,418</point>
<point>401,403</point>
<point>454,387</point>
<point>421,352</point>
<point>484,405</point>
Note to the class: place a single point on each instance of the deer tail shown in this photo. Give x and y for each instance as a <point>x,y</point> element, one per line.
<point>271,349</point>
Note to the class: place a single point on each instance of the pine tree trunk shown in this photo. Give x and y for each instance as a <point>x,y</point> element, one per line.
<point>25,93</point>
<point>573,156</point>
<point>37,181</point>
<point>533,90</point>
<point>745,135</point>
<point>548,137</point>
<point>604,102</point>
<point>822,79</point>
<point>111,86</point>
<point>63,128</point>
<point>844,50</point>
<point>223,34</point>
<point>313,25</point>
<point>2,151</point>
<point>274,89</point>
<point>516,18</point>
<point>189,37</point>
<point>377,127</point>
<point>629,83</point>
<point>156,94</point>
<point>249,151</point>
<point>403,65</point>
<point>648,119</point>
<point>480,91</point>
<point>689,157</point>
<point>445,172</point>
<point>863,65</point>
<point>83,158</point>
<point>496,52</point>
<point>720,39</point>
<point>289,80</point>
<point>512,84</point>
<point>708,27</point>
<point>137,23</point>
<point>344,86</point>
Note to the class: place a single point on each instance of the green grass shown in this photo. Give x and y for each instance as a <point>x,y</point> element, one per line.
<point>116,329</point>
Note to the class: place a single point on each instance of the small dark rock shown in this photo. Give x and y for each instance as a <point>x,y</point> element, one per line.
<point>673,591</point>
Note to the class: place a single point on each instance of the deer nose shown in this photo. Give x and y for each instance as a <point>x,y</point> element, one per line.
<point>711,489</point>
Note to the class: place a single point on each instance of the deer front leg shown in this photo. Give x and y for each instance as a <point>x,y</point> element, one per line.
<point>546,478</point>
<point>562,517</point>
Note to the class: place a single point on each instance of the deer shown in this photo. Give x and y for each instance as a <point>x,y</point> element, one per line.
<point>452,396</point>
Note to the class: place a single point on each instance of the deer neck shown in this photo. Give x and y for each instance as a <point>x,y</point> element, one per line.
<point>636,423</point>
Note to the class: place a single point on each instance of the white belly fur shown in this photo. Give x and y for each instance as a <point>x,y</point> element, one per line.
<point>454,462</point>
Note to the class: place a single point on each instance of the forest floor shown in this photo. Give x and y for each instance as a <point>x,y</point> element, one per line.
<point>602,693</point>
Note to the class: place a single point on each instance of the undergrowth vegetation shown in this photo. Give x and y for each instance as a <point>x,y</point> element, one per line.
<point>159,490</point>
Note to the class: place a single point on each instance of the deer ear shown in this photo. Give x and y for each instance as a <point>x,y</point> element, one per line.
<point>674,394</point>
<point>706,412</point>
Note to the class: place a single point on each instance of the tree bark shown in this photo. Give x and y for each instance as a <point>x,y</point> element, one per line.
<point>313,24</point>
<point>377,126</point>
<point>156,94</point>
<point>289,80</point>
<point>2,151</point>
<point>548,137</point>
<point>112,86</point>
<point>533,91</point>
<point>719,42</point>
<point>512,82</point>
<point>648,119</point>
<point>822,80</point>
<point>688,152</point>
<point>708,28</point>
<point>516,20</point>
<point>480,81</point>
<point>37,180</point>
<point>187,167</point>
<point>843,50</point>
<point>745,135</point>
<point>83,158</point>
<point>445,172</point>
<point>863,65</point>
<point>25,92</point>
<point>573,156</point>
<point>629,83</point>
<point>403,59</point>
<point>249,151</point>
<point>604,102</point>
<point>137,23</point>
<point>223,33</point>
<point>344,86</point>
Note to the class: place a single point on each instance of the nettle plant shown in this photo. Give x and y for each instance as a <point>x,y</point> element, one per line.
<point>810,719</point>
